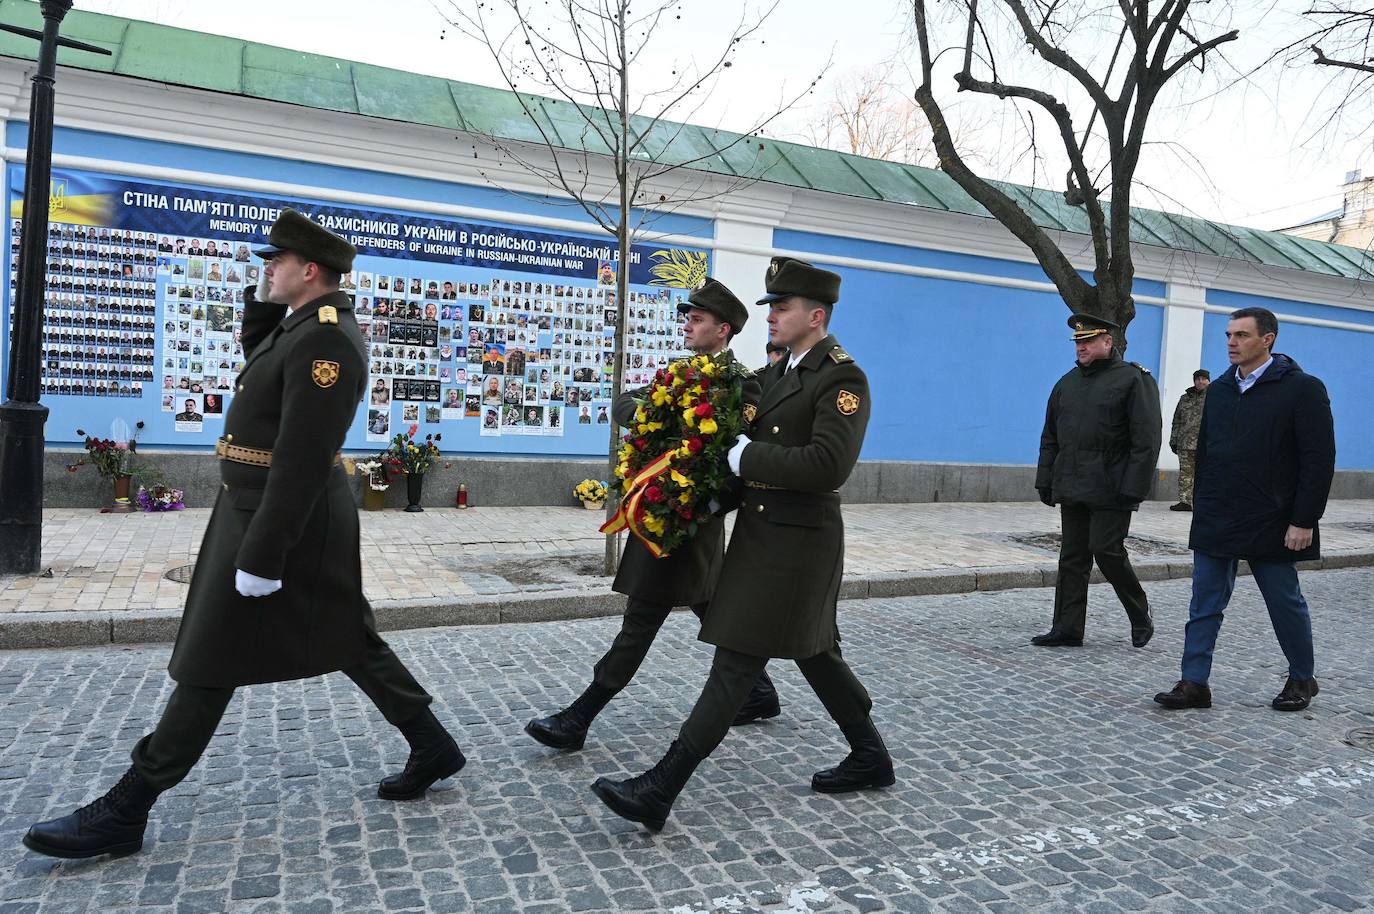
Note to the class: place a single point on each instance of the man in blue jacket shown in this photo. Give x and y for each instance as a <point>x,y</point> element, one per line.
<point>1266,456</point>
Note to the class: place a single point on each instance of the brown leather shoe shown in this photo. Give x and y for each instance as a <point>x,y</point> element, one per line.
<point>1297,694</point>
<point>1185,695</point>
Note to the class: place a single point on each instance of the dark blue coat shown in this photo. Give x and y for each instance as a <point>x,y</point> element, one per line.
<point>1265,460</point>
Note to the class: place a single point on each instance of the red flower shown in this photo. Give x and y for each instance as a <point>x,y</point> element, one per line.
<point>413,430</point>
<point>695,445</point>
<point>705,411</point>
<point>654,494</point>
<point>684,512</point>
<point>641,443</point>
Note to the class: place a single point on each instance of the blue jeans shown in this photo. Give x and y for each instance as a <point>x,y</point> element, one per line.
<point>1213,580</point>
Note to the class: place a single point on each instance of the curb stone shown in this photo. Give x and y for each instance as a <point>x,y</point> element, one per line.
<point>73,629</point>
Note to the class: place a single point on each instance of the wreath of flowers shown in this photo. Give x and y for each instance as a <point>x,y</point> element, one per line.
<point>672,463</point>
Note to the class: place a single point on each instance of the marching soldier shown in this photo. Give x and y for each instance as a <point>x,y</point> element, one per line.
<point>712,316</point>
<point>777,592</point>
<point>1098,453</point>
<point>277,590</point>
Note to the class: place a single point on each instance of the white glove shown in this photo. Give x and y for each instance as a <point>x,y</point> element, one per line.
<point>736,453</point>
<point>250,585</point>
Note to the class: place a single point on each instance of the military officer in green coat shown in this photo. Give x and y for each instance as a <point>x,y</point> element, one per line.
<point>277,589</point>
<point>712,315</point>
<point>778,588</point>
<point>1098,453</point>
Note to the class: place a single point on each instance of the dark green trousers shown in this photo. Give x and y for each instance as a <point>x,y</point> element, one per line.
<point>638,629</point>
<point>732,676</point>
<point>1095,535</point>
<point>164,757</point>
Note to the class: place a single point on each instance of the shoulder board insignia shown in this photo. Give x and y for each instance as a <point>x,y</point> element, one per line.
<point>745,370</point>
<point>839,356</point>
<point>329,314</point>
<point>1143,369</point>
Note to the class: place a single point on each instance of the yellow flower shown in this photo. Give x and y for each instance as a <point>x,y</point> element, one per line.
<point>640,414</point>
<point>660,396</point>
<point>680,479</point>
<point>686,400</point>
<point>708,426</point>
<point>626,486</point>
<point>685,497</point>
<point>689,416</point>
<point>683,451</point>
<point>653,524</point>
<point>708,367</point>
<point>622,470</point>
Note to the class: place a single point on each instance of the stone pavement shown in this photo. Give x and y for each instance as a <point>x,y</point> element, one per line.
<point>1036,780</point>
<point>110,573</point>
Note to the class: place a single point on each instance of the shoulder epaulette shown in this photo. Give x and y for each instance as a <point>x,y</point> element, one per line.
<point>745,370</point>
<point>839,356</point>
<point>1143,369</point>
<point>329,314</point>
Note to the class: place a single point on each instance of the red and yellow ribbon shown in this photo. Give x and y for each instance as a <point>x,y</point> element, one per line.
<point>630,515</point>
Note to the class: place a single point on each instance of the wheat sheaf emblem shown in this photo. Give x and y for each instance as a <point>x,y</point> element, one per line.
<point>679,268</point>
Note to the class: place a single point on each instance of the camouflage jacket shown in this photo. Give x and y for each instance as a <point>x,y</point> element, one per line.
<point>1187,420</point>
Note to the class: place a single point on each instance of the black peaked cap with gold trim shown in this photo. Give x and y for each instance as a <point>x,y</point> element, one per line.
<point>1087,326</point>
<point>297,234</point>
<point>788,276</point>
<point>713,296</point>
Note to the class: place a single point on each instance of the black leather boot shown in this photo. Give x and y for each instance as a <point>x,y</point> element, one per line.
<point>113,824</point>
<point>762,703</point>
<point>866,766</point>
<point>648,798</point>
<point>568,728</point>
<point>433,756</point>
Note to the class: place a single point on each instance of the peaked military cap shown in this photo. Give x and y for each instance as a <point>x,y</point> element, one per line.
<point>297,234</point>
<point>713,296</point>
<point>787,277</point>
<point>1087,326</point>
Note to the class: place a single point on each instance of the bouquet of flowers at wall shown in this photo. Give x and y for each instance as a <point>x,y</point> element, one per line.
<point>374,468</point>
<point>406,455</point>
<point>159,497</point>
<point>591,492</point>
<point>112,457</point>
<point>672,463</point>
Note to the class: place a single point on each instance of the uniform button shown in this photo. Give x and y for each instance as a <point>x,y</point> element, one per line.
<point>226,486</point>
<point>228,438</point>
<point>240,390</point>
<point>775,429</point>
<point>759,508</point>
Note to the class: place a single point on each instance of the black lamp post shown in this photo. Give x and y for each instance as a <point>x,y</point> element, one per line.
<point>21,415</point>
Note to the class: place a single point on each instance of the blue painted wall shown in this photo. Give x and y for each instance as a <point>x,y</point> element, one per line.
<point>1341,358</point>
<point>959,372</point>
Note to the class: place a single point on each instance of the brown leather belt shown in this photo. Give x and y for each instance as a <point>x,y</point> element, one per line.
<point>253,456</point>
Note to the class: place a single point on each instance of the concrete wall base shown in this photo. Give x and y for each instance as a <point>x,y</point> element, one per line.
<point>514,481</point>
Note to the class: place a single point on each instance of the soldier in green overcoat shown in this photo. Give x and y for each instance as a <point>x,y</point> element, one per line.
<point>277,589</point>
<point>712,315</point>
<point>778,588</point>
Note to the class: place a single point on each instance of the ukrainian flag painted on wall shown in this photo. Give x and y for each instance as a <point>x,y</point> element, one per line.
<point>75,199</point>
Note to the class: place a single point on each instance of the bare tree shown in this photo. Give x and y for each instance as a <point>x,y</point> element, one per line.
<point>573,67</point>
<point>865,114</point>
<point>1340,36</point>
<point>1152,44</point>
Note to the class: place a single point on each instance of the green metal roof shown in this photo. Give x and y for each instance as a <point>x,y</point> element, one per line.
<point>144,50</point>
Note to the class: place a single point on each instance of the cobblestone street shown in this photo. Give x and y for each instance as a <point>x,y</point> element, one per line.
<point>1028,779</point>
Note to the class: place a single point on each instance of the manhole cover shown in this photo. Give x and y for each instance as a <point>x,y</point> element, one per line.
<point>1135,545</point>
<point>1360,738</point>
<point>1358,526</point>
<point>181,574</point>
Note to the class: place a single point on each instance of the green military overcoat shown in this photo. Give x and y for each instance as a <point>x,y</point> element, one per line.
<point>686,576</point>
<point>294,521</point>
<point>781,578</point>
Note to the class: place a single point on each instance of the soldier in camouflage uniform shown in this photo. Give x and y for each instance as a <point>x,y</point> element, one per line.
<point>1183,436</point>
